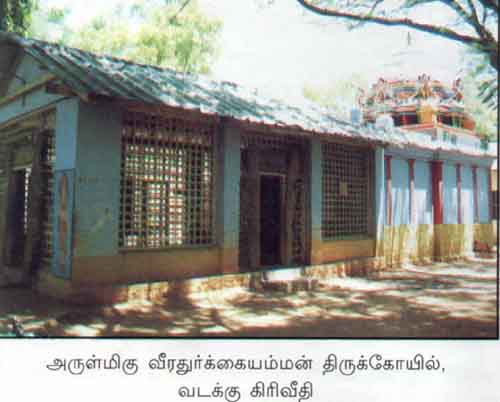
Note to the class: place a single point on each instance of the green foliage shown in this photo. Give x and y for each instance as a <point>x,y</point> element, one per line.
<point>49,24</point>
<point>15,15</point>
<point>484,115</point>
<point>167,34</point>
<point>340,96</point>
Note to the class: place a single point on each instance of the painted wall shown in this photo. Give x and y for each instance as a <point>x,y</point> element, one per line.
<point>405,243</point>
<point>228,197</point>
<point>450,194</point>
<point>29,70</point>
<point>97,193</point>
<point>66,134</point>
<point>150,266</point>
<point>88,148</point>
<point>26,104</point>
<point>88,143</point>
<point>66,138</point>
<point>452,241</point>
<point>338,250</point>
<point>423,193</point>
<point>400,192</point>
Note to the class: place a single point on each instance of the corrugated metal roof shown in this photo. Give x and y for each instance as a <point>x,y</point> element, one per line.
<point>87,73</point>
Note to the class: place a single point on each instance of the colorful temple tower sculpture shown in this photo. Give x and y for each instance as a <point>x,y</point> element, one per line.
<point>439,204</point>
<point>423,105</point>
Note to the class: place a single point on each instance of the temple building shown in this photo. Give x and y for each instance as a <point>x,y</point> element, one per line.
<point>118,178</point>
<point>446,191</point>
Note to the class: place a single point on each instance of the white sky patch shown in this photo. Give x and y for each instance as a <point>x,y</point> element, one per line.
<point>281,49</point>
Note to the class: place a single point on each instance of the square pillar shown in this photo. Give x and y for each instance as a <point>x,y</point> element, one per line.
<point>413,204</point>
<point>475,190</point>
<point>459,194</point>
<point>388,190</point>
<point>437,191</point>
<point>228,197</point>
<point>316,201</point>
<point>66,137</point>
<point>380,201</point>
<point>86,184</point>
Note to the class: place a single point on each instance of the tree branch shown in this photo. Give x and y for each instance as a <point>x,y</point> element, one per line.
<point>473,11</point>
<point>407,22</point>
<point>491,4</point>
<point>180,10</point>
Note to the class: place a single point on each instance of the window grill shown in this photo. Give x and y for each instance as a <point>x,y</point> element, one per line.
<point>345,190</point>
<point>271,142</point>
<point>298,224</point>
<point>47,177</point>
<point>167,183</point>
<point>27,179</point>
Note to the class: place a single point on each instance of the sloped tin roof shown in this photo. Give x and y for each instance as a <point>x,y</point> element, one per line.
<point>88,73</point>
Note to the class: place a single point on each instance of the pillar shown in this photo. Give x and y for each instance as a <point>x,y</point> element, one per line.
<point>437,191</point>
<point>87,184</point>
<point>380,194</point>
<point>316,202</point>
<point>66,137</point>
<point>413,204</point>
<point>228,197</point>
<point>388,190</point>
<point>459,193</point>
<point>476,194</point>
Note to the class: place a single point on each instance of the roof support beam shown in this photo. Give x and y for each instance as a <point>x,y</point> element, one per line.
<point>27,89</point>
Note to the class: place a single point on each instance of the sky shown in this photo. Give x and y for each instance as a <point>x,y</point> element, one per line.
<point>281,49</point>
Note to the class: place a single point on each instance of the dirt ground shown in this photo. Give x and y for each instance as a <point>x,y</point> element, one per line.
<point>440,301</point>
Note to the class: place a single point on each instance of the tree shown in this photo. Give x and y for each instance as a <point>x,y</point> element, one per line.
<point>164,33</point>
<point>15,15</point>
<point>484,114</point>
<point>340,97</point>
<point>49,24</point>
<point>475,21</point>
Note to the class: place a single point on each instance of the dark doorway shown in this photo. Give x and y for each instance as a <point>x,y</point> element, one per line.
<point>270,219</point>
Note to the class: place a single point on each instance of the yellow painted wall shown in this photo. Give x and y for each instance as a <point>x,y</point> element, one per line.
<point>485,236</point>
<point>405,243</point>
<point>336,250</point>
<point>423,243</point>
<point>147,266</point>
<point>453,241</point>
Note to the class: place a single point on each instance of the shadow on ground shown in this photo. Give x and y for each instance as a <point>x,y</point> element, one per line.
<point>439,301</point>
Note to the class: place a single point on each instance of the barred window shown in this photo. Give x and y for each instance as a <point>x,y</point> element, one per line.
<point>346,190</point>
<point>167,183</point>
<point>47,177</point>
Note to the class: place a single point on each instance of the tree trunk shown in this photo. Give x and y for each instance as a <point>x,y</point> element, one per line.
<point>493,56</point>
